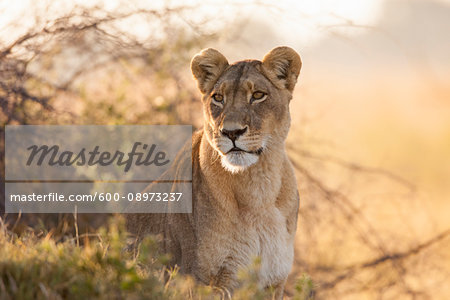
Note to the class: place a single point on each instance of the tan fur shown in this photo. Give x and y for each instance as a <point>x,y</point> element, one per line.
<point>245,204</point>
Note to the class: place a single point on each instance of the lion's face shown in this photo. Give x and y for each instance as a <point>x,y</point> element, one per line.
<point>244,112</point>
<point>246,104</point>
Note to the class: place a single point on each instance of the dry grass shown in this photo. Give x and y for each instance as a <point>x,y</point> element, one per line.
<point>38,267</point>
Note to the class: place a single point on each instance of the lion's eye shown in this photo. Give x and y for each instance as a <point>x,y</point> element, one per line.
<point>218,98</point>
<point>258,96</point>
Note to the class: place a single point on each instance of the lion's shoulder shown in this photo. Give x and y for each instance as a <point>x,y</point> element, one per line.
<point>196,140</point>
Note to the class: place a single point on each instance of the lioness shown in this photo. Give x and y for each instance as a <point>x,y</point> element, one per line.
<point>245,199</point>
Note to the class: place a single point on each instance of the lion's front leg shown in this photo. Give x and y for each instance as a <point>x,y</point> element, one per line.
<point>278,290</point>
<point>222,279</point>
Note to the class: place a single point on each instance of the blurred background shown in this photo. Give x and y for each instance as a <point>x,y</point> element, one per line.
<point>370,135</point>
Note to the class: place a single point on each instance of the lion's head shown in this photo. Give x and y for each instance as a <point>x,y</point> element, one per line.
<point>246,104</point>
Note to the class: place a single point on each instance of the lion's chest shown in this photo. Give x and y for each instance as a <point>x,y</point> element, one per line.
<point>270,242</point>
<point>261,233</point>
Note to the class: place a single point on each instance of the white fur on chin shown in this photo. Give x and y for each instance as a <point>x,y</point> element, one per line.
<point>236,162</point>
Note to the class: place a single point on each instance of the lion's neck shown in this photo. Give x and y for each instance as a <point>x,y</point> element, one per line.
<point>256,185</point>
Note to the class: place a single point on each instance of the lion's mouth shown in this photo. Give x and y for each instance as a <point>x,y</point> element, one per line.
<point>237,149</point>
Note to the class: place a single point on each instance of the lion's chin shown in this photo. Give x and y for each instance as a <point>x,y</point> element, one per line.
<point>236,162</point>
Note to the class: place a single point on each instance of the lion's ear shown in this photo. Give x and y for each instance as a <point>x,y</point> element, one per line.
<point>206,67</point>
<point>282,65</point>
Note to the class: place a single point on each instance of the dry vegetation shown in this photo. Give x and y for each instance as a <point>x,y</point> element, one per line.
<point>42,265</point>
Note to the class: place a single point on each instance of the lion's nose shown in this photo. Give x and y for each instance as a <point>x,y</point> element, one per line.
<point>234,134</point>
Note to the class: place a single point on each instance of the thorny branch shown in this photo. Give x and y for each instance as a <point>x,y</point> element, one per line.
<point>366,232</point>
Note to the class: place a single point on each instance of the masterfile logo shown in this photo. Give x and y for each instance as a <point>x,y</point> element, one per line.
<point>52,156</point>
